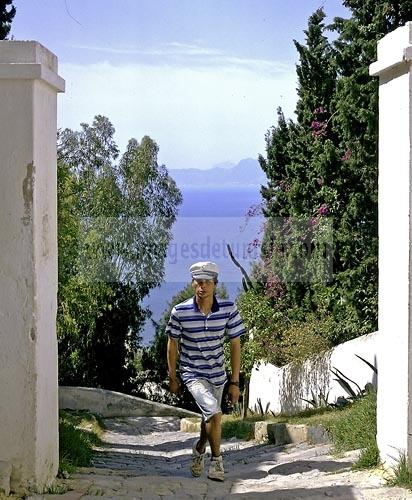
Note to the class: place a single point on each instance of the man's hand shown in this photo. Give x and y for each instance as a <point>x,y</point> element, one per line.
<point>233,393</point>
<point>172,353</point>
<point>174,385</point>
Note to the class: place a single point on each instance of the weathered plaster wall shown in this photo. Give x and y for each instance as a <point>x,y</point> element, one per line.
<point>28,264</point>
<point>285,388</point>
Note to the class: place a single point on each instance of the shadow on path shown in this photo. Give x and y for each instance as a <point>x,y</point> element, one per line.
<point>343,492</point>
<point>302,466</point>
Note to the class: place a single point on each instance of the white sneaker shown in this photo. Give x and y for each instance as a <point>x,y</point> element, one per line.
<point>216,469</point>
<point>197,462</point>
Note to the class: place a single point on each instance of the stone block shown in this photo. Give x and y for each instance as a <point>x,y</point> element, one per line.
<point>317,435</point>
<point>190,424</point>
<point>260,431</point>
<point>280,434</point>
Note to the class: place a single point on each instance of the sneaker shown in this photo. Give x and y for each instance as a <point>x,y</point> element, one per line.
<point>197,462</point>
<point>216,469</point>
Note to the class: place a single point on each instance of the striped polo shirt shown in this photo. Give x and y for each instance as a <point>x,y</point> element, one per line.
<point>201,338</point>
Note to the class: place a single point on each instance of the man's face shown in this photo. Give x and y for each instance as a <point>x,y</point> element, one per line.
<point>203,288</point>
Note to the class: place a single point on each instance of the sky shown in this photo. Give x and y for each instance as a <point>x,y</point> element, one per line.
<point>203,78</point>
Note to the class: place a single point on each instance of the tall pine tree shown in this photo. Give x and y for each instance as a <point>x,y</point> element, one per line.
<point>322,170</point>
<point>300,158</point>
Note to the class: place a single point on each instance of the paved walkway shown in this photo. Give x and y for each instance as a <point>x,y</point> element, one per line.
<point>148,458</point>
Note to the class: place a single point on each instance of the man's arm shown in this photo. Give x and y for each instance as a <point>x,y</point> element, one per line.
<point>172,355</point>
<point>235,367</point>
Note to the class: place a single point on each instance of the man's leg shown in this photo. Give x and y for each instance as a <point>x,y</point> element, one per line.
<point>213,431</point>
<point>208,398</point>
<point>203,439</point>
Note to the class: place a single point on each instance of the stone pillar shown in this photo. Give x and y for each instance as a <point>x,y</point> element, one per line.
<point>394,412</point>
<point>28,266</point>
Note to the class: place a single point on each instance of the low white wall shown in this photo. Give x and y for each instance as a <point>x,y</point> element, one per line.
<point>285,388</point>
<point>115,404</point>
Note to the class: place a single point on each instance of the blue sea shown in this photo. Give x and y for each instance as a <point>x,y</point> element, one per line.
<point>208,220</point>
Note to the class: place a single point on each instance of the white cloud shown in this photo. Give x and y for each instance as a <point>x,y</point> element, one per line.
<point>188,55</point>
<point>198,115</point>
<point>192,49</point>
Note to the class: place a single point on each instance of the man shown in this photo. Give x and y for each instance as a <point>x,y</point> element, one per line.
<point>197,328</point>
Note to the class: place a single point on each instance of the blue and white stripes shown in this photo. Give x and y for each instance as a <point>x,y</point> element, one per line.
<point>201,338</point>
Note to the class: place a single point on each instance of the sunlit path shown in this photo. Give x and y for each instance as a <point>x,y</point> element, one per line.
<point>149,457</point>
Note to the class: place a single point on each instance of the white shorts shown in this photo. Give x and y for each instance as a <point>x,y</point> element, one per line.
<point>208,397</point>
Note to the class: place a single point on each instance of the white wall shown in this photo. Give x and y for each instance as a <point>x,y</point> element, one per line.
<point>283,388</point>
<point>394,419</point>
<point>28,264</point>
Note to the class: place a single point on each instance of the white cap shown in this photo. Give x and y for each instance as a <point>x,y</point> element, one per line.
<point>204,270</point>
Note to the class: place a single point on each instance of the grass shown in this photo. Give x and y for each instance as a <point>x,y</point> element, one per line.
<point>350,428</point>
<point>357,429</point>
<point>236,427</point>
<point>402,474</point>
<point>57,489</point>
<point>79,431</point>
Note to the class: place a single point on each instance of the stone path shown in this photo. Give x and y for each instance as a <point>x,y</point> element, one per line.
<point>148,458</point>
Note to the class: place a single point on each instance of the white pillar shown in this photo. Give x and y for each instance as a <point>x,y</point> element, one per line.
<point>28,265</point>
<point>394,416</point>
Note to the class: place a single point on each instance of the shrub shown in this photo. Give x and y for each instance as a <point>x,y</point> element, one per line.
<point>279,335</point>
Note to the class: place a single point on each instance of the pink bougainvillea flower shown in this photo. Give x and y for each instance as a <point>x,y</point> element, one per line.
<point>323,209</point>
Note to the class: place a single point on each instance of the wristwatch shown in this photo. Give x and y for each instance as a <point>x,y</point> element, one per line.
<point>234,383</point>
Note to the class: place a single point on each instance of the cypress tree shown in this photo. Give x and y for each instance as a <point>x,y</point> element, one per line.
<point>323,169</point>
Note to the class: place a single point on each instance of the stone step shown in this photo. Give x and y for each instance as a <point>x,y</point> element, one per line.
<point>275,433</point>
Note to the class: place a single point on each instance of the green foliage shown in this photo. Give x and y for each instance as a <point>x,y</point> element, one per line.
<point>320,400</point>
<point>233,427</point>
<point>78,433</point>
<point>278,334</point>
<point>345,382</point>
<point>369,457</point>
<point>259,411</point>
<point>357,429</point>
<point>7,13</point>
<point>114,221</point>
<point>320,245</point>
<point>57,489</point>
<point>353,389</point>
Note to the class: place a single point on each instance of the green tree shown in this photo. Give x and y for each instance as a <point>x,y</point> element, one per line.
<point>354,296</point>
<point>322,173</point>
<point>115,224</point>
<point>300,157</point>
<point>7,13</point>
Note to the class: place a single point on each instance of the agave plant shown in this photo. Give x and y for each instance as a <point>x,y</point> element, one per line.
<point>318,401</point>
<point>354,390</point>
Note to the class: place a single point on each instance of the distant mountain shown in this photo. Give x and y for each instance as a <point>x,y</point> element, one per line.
<point>246,173</point>
<point>225,165</point>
